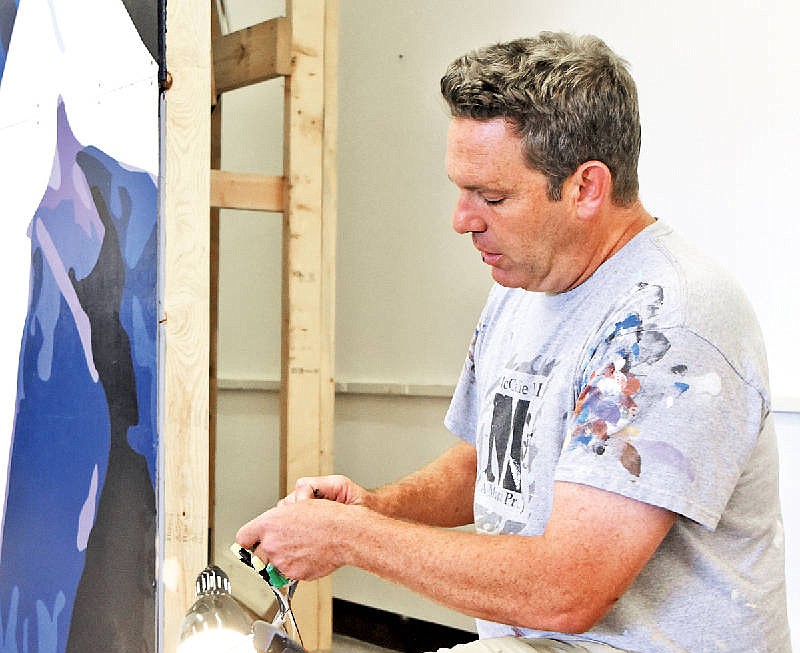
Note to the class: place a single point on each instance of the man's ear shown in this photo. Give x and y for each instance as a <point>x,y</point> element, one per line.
<point>591,187</point>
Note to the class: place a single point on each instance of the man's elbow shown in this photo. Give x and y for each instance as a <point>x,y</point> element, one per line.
<point>574,623</point>
<point>571,617</point>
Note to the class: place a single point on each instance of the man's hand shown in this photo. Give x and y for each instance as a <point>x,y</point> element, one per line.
<point>304,539</point>
<point>307,538</point>
<point>334,488</point>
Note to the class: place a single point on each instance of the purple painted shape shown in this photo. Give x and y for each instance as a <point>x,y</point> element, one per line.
<point>53,259</point>
<point>664,453</point>
<point>87,513</point>
<point>67,216</point>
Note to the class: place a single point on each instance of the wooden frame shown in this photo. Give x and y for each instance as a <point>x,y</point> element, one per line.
<point>301,47</point>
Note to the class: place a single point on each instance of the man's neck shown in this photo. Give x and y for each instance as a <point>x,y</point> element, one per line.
<point>631,220</point>
<point>615,230</point>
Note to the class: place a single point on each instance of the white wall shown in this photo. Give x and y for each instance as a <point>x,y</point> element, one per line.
<point>788,425</point>
<point>718,91</point>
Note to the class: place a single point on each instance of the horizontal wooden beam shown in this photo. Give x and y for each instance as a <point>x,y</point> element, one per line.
<point>246,190</point>
<point>377,388</point>
<point>252,54</point>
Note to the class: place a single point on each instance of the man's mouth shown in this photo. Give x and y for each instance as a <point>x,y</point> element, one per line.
<point>490,258</point>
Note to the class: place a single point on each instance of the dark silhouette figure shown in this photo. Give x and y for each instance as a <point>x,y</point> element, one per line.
<point>114,607</point>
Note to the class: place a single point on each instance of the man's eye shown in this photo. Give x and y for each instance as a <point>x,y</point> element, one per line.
<point>493,201</point>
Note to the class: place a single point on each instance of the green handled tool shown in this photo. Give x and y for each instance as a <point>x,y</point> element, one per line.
<point>282,587</point>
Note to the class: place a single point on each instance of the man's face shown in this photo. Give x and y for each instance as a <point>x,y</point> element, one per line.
<point>523,235</point>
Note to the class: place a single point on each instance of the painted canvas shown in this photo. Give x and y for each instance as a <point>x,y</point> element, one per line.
<point>78,361</point>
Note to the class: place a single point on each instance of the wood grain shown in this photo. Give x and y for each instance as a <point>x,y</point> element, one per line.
<point>253,54</point>
<point>185,312</point>
<point>246,190</point>
<point>307,344</point>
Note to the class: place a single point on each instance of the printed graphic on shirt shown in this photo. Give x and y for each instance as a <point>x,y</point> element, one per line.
<point>504,486</point>
<point>604,421</point>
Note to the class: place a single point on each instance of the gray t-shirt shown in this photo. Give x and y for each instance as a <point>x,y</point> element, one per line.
<point>648,380</point>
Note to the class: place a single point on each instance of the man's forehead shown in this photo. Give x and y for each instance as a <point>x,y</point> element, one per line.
<point>481,148</point>
<point>491,129</point>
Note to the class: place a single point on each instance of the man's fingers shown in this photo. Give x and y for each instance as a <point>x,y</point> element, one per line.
<point>333,488</point>
<point>304,488</point>
<point>247,557</point>
<point>248,535</point>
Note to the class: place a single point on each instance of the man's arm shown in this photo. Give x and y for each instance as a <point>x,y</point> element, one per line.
<point>565,580</point>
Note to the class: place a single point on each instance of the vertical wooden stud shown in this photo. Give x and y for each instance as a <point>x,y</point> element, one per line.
<point>307,354</point>
<point>184,313</point>
<point>329,216</point>
<point>328,313</point>
<point>216,164</point>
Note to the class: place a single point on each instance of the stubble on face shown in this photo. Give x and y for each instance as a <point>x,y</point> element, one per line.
<point>503,203</point>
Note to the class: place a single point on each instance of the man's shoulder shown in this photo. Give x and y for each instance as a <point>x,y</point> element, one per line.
<point>713,303</point>
<point>695,285</point>
<point>676,289</point>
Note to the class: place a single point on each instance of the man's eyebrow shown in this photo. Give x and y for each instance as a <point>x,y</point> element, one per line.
<point>474,187</point>
<point>484,189</point>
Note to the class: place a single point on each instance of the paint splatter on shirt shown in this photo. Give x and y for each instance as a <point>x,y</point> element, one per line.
<point>648,380</point>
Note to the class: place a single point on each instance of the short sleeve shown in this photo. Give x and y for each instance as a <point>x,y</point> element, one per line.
<point>461,418</point>
<point>661,416</point>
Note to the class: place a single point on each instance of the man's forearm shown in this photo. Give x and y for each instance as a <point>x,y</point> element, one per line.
<point>494,577</point>
<point>555,581</point>
<point>439,494</point>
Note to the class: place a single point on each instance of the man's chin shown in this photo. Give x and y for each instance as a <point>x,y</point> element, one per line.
<point>507,279</point>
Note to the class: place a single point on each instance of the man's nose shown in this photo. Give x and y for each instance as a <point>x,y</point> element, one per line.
<point>467,215</point>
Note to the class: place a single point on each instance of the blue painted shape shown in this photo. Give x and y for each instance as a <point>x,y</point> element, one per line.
<point>8,15</point>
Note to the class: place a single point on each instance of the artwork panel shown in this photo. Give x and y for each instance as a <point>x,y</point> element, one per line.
<point>79,179</point>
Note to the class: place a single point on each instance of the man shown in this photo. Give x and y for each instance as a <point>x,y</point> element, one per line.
<point>618,457</point>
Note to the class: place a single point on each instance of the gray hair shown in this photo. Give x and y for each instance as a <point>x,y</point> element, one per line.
<point>570,98</point>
